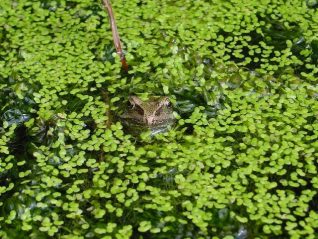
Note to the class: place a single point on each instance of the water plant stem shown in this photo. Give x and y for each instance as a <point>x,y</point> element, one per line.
<point>116,38</point>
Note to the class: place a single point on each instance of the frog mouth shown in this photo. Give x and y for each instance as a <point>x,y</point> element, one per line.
<point>148,124</point>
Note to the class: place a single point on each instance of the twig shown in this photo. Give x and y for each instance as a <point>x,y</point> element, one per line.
<point>116,38</point>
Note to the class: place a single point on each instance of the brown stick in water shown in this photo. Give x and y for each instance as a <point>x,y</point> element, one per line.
<point>116,38</point>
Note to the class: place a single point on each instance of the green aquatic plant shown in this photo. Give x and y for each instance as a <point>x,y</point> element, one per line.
<point>241,161</point>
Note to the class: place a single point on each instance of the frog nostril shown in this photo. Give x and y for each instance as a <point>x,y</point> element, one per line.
<point>150,120</point>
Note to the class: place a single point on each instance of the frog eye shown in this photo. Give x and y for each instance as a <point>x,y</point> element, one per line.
<point>139,110</point>
<point>136,108</point>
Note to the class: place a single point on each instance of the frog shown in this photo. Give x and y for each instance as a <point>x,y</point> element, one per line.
<point>155,115</point>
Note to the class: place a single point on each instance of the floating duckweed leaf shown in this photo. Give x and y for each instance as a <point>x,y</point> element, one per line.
<point>144,226</point>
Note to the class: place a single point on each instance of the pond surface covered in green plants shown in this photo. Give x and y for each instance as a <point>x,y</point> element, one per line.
<point>241,161</point>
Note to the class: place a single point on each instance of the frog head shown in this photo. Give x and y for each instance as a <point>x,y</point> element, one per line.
<point>155,114</point>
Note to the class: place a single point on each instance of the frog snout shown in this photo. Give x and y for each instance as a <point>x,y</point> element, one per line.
<point>149,120</point>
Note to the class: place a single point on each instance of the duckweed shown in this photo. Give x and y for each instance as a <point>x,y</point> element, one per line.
<point>241,162</point>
